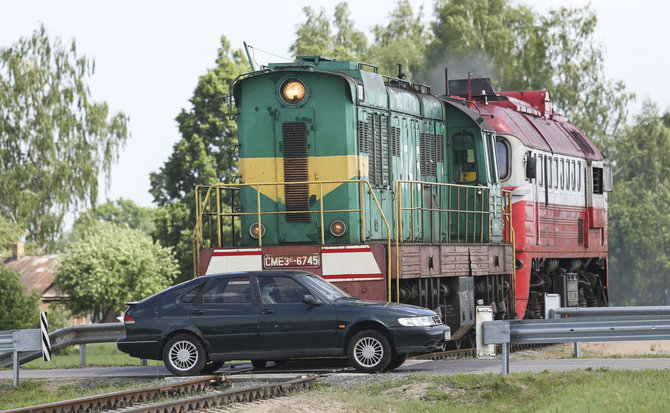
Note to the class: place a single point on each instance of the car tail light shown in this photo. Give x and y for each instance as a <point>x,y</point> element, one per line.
<point>128,319</point>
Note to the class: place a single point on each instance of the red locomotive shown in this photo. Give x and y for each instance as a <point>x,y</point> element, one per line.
<point>559,182</point>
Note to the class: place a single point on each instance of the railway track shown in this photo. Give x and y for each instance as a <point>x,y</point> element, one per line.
<point>199,394</point>
<point>212,392</point>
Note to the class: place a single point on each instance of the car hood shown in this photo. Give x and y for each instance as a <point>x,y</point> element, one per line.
<point>397,308</point>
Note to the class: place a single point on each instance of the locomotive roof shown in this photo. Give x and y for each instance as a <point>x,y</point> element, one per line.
<point>529,116</point>
<point>555,136</point>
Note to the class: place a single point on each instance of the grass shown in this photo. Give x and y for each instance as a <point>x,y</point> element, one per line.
<point>98,355</point>
<point>589,390</point>
<point>600,390</point>
<point>40,391</point>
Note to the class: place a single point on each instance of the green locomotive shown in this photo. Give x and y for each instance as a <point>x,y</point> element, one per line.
<point>367,180</point>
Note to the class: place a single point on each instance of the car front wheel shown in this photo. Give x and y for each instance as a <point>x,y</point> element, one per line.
<point>369,351</point>
<point>184,355</point>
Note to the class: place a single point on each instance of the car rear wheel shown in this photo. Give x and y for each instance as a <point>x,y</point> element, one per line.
<point>369,351</point>
<point>184,355</point>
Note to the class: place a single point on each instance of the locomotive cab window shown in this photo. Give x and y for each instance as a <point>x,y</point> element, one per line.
<point>502,155</point>
<point>465,164</point>
<point>598,180</point>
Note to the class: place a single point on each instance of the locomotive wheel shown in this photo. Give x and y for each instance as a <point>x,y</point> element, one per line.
<point>184,355</point>
<point>369,351</point>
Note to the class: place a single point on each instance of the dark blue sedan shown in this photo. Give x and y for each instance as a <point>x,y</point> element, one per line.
<point>194,327</point>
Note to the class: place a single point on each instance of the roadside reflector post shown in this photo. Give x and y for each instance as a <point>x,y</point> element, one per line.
<point>484,351</point>
<point>46,342</point>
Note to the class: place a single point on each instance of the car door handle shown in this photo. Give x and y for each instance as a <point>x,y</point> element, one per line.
<point>267,311</point>
<point>197,312</point>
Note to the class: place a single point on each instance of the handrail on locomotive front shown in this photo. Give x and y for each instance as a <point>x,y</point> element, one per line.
<point>201,205</point>
<point>478,193</point>
<point>482,192</point>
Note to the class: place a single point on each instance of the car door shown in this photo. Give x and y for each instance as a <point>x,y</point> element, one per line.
<point>289,325</point>
<point>227,316</point>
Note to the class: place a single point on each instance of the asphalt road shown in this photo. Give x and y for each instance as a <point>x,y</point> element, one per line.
<point>340,368</point>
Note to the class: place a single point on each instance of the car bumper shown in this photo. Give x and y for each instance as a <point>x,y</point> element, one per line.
<point>420,339</point>
<point>144,349</point>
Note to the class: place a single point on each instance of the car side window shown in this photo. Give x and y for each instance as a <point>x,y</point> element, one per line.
<point>281,290</point>
<point>228,291</point>
<point>190,296</point>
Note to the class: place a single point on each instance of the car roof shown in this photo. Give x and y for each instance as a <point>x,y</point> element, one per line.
<point>260,273</point>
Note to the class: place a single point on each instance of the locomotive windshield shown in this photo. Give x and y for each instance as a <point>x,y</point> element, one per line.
<point>465,164</point>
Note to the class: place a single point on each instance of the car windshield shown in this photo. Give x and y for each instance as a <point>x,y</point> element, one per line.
<point>324,287</point>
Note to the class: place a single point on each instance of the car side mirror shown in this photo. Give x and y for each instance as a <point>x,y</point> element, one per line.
<point>311,300</point>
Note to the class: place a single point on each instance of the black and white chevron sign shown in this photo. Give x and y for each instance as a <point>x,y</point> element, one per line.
<point>46,343</point>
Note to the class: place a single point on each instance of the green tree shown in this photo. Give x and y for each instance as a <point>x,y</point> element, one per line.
<point>54,140</point>
<point>315,38</point>
<point>520,50</point>
<point>639,226</point>
<point>579,87</point>
<point>17,310</point>
<point>489,38</point>
<point>111,265</point>
<point>9,234</point>
<point>402,41</point>
<point>121,212</point>
<point>206,154</point>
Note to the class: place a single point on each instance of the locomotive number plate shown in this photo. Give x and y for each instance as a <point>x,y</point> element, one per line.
<point>292,261</point>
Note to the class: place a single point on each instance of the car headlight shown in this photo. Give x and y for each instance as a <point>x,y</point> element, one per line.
<point>419,321</point>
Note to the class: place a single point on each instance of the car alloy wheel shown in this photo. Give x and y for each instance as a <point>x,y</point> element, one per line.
<point>369,351</point>
<point>184,355</point>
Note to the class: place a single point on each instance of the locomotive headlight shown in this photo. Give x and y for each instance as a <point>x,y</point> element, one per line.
<point>338,228</point>
<point>293,91</point>
<point>256,230</point>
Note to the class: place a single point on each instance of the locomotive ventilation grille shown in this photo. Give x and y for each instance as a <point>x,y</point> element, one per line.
<point>295,170</point>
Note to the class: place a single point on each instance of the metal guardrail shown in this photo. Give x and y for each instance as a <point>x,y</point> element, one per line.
<point>68,336</point>
<point>582,325</point>
<point>6,341</point>
<point>572,312</point>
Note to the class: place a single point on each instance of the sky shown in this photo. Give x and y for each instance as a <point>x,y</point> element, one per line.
<point>149,54</point>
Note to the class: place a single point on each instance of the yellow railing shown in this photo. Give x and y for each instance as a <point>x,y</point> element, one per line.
<point>480,197</point>
<point>475,209</point>
<point>481,194</point>
<point>202,204</point>
<point>509,237</point>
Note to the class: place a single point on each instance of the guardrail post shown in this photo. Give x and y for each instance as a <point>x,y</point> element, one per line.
<point>505,358</point>
<point>15,366</point>
<point>578,349</point>
<point>82,355</point>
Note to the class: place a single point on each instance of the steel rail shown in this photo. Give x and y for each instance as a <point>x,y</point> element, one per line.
<point>114,400</point>
<point>132,400</point>
<point>218,399</point>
